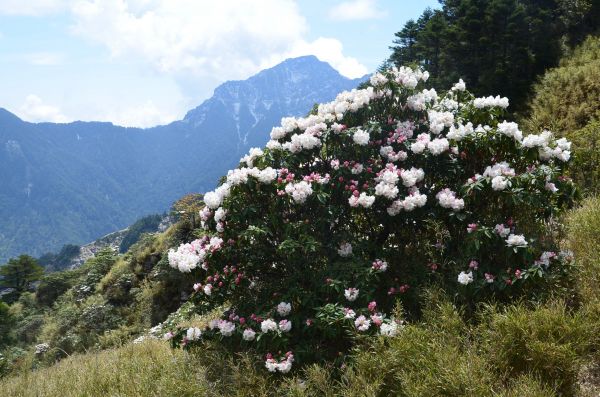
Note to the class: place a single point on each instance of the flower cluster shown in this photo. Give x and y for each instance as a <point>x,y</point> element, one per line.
<point>348,210</point>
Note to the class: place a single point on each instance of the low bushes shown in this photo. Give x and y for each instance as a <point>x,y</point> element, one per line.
<point>515,351</point>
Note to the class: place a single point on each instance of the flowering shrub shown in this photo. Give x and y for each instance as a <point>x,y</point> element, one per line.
<point>311,241</point>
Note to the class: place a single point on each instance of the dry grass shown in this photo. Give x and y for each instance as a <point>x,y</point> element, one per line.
<point>148,369</point>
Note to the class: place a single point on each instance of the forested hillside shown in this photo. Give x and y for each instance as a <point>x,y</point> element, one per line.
<point>498,46</point>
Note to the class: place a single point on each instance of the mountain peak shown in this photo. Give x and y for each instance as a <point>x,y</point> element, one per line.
<point>5,115</point>
<point>303,79</point>
<point>306,63</point>
<point>303,61</point>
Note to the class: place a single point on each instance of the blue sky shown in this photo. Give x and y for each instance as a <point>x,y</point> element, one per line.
<point>146,62</point>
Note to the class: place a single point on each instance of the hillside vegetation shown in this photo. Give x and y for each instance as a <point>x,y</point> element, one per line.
<point>566,101</point>
<point>107,301</point>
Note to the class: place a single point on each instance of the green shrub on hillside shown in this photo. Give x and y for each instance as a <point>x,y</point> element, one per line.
<point>583,238</point>
<point>6,324</point>
<point>585,168</point>
<point>384,191</point>
<point>566,101</point>
<point>54,285</point>
<point>566,98</point>
<point>62,259</point>
<point>146,224</point>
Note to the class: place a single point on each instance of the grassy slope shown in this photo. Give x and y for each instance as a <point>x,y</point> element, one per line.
<point>149,369</point>
<point>441,356</point>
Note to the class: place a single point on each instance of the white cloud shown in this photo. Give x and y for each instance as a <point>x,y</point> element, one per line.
<point>356,10</point>
<point>330,51</point>
<point>213,41</point>
<point>35,110</point>
<point>44,58</point>
<point>196,44</point>
<point>146,115</point>
<point>32,7</point>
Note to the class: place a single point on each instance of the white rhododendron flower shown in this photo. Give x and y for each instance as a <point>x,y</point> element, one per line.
<point>409,203</point>
<point>284,309</point>
<point>345,250</point>
<point>268,325</point>
<point>349,313</point>
<point>510,129</point>
<point>249,334</point>
<point>220,214</point>
<point>226,328</point>
<point>271,365</point>
<point>363,200</point>
<point>460,86</point>
<point>193,333</point>
<point>551,187</point>
<point>299,191</point>
<point>447,199</point>
<point>499,169</point>
<point>362,323</point>
<point>420,144</point>
<point>351,294</point>
<point>360,137</point>
<point>460,132</point>
<point>491,101</point>
<point>389,329</point>
<point>412,176</point>
<point>285,325</point>
<point>502,230</point>
<point>499,182</point>
<point>465,278</point>
<point>212,200</point>
<point>516,240</point>
<point>185,258</point>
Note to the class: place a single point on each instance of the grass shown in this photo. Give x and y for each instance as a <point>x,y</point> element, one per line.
<point>147,369</point>
<point>583,238</point>
<point>517,351</point>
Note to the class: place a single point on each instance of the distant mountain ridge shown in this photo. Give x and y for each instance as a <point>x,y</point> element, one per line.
<point>71,183</point>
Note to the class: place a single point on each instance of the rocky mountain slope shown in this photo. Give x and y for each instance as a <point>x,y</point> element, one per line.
<point>71,183</point>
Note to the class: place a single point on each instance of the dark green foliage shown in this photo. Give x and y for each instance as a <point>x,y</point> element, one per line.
<point>27,329</point>
<point>62,259</point>
<point>146,224</point>
<point>6,323</point>
<point>19,273</point>
<point>497,46</point>
<point>54,285</point>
